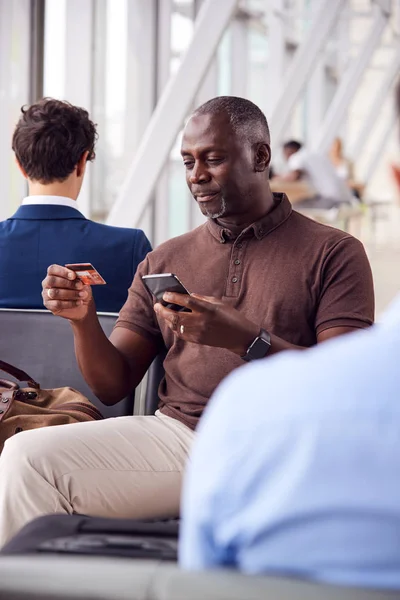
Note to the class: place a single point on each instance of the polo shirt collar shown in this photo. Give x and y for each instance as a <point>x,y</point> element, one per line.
<point>278,215</point>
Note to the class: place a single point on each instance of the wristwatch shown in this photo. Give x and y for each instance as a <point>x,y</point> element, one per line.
<point>259,347</point>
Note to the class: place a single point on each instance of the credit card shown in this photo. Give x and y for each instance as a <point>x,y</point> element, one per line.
<point>87,273</point>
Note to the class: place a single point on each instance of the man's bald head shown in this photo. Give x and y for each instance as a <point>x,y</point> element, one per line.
<point>226,153</point>
<point>248,122</point>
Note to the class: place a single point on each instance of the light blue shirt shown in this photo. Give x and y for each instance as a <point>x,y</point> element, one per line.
<point>296,466</point>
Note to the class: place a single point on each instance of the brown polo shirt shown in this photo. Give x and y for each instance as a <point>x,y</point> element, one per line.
<point>290,275</point>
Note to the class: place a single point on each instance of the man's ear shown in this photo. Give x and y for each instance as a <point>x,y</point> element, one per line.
<point>81,164</point>
<point>21,168</point>
<point>262,157</point>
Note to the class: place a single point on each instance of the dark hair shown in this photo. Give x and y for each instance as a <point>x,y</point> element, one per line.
<point>246,118</point>
<point>50,138</point>
<point>292,145</point>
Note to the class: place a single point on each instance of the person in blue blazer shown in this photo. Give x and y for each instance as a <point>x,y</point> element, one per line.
<point>53,141</point>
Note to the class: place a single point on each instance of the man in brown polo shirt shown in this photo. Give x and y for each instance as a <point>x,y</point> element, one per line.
<point>262,279</point>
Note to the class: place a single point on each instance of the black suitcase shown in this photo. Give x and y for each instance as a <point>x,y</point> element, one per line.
<point>77,534</point>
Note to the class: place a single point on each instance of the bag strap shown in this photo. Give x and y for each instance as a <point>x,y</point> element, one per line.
<point>8,385</point>
<point>18,374</point>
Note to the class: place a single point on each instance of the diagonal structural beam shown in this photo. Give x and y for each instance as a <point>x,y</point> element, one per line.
<point>301,66</point>
<point>383,140</point>
<point>171,110</point>
<point>350,82</point>
<point>376,106</point>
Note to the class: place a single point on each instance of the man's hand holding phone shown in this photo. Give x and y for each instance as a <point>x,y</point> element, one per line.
<point>208,321</point>
<point>65,295</point>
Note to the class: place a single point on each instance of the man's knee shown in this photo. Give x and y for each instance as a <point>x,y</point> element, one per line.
<point>25,449</point>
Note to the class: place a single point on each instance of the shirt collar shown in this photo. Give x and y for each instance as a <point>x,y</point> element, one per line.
<point>280,212</point>
<point>50,200</point>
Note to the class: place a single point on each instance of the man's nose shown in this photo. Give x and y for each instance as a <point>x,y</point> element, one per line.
<point>198,174</point>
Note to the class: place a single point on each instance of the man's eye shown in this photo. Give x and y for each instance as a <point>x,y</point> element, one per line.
<point>188,164</point>
<point>215,161</point>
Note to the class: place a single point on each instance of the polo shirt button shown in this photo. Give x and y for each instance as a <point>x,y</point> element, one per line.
<point>239,246</point>
<point>237,262</point>
<point>234,279</point>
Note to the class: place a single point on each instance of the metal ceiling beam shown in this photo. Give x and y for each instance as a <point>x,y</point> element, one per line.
<point>239,57</point>
<point>301,66</point>
<point>277,40</point>
<point>350,82</point>
<point>391,74</point>
<point>170,113</point>
<point>383,140</point>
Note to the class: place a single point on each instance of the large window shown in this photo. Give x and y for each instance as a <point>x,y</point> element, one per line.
<point>110,110</point>
<point>14,92</point>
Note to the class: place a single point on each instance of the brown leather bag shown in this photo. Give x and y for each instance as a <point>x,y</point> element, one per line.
<point>31,407</point>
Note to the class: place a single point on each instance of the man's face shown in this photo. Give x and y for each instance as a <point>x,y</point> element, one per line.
<point>219,169</point>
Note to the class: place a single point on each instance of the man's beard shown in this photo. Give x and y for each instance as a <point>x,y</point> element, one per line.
<point>216,214</point>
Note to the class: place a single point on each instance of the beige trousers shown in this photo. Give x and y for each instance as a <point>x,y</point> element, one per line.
<point>129,467</point>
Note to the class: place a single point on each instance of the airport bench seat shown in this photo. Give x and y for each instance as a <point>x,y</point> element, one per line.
<point>84,578</point>
<point>43,345</point>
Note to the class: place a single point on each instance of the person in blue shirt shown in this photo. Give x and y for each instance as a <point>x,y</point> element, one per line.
<point>53,141</point>
<point>294,471</point>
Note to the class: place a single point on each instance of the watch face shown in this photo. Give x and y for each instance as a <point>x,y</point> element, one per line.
<point>260,348</point>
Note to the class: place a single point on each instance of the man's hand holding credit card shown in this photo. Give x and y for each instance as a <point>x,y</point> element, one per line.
<point>67,290</point>
<point>87,273</point>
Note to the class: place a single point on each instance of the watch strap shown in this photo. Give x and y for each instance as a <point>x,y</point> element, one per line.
<point>259,347</point>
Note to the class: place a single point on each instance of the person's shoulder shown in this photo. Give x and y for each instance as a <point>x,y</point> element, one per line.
<point>305,227</point>
<point>112,230</point>
<point>298,157</point>
<point>349,361</point>
<point>181,242</point>
<point>10,226</point>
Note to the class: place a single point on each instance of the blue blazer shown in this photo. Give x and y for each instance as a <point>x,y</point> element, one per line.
<point>38,236</point>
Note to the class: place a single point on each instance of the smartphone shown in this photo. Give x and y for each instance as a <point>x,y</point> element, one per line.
<point>165,282</point>
<point>87,273</point>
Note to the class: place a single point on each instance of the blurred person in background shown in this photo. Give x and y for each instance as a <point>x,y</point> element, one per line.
<point>294,468</point>
<point>330,191</point>
<point>344,168</point>
<point>53,141</point>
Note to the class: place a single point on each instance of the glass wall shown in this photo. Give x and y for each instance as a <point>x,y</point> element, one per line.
<point>120,67</point>
<point>110,111</point>
<point>116,57</point>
